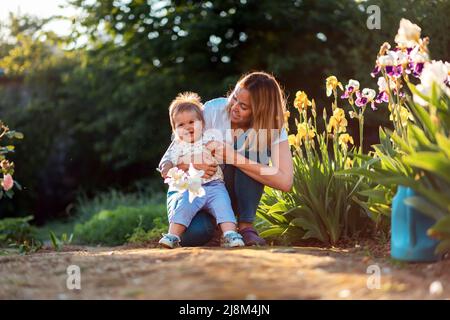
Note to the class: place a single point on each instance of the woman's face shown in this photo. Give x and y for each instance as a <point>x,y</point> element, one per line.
<point>241,111</point>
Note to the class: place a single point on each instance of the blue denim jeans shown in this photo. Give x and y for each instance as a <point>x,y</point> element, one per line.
<point>245,194</point>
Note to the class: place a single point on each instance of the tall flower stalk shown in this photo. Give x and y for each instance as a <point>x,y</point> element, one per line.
<point>358,101</point>
<point>415,154</point>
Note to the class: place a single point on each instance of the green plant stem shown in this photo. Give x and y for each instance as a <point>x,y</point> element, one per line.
<point>361,133</point>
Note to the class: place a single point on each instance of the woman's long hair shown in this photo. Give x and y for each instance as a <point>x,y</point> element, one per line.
<point>268,105</point>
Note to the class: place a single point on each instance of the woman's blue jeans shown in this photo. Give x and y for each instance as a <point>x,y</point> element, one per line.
<point>245,194</point>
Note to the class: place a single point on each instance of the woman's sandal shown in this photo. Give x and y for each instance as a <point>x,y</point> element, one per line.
<point>251,237</point>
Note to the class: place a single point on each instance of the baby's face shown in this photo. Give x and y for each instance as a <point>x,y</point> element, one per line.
<point>188,127</point>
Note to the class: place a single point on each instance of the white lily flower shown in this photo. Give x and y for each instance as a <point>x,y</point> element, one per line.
<point>182,182</point>
<point>176,178</point>
<point>193,173</point>
<point>175,174</point>
<point>408,34</point>
<point>195,188</point>
<point>194,182</point>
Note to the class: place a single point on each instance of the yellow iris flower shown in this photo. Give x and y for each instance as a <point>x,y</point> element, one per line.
<point>337,122</point>
<point>293,141</point>
<point>332,83</point>
<point>348,163</point>
<point>304,131</point>
<point>345,139</point>
<point>301,101</point>
<point>405,115</point>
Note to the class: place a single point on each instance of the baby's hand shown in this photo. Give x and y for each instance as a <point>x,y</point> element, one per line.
<point>165,169</point>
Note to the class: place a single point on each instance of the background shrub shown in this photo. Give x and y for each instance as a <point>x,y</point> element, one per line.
<point>114,227</point>
<point>15,230</point>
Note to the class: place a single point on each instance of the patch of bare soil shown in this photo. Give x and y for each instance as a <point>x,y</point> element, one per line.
<point>218,273</point>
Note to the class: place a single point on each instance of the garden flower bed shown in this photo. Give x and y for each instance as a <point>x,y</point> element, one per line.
<point>337,186</point>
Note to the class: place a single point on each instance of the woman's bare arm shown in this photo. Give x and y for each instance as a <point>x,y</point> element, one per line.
<point>279,175</point>
<point>204,163</point>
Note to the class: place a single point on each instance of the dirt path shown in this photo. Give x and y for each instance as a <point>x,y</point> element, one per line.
<point>215,273</point>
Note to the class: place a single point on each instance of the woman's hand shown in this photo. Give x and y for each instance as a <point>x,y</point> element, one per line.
<point>222,151</point>
<point>207,164</point>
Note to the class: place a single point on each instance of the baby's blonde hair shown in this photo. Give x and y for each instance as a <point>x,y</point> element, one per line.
<point>186,101</point>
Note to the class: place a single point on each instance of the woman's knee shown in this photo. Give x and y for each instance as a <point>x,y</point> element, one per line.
<point>200,230</point>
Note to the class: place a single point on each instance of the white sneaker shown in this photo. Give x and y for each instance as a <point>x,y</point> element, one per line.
<point>169,241</point>
<point>232,239</point>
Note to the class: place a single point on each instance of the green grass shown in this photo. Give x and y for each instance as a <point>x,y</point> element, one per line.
<point>114,227</point>
<point>86,208</point>
<point>58,227</point>
<point>111,217</point>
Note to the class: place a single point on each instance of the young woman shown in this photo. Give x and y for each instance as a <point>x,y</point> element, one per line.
<point>251,123</point>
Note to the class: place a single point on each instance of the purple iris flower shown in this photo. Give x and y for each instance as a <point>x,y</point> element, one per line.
<point>360,100</point>
<point>382,97</point>
<point>375,71</point>
<point>347,92</point>
<point>418,68</point>
<point>394,71</point>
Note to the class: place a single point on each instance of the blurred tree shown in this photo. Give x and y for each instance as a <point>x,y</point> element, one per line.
<point>31,93</point>
<point>301,42</point>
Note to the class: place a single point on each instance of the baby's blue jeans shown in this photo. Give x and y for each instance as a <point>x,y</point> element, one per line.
<point>245,194</point>
<point>216,201</point>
